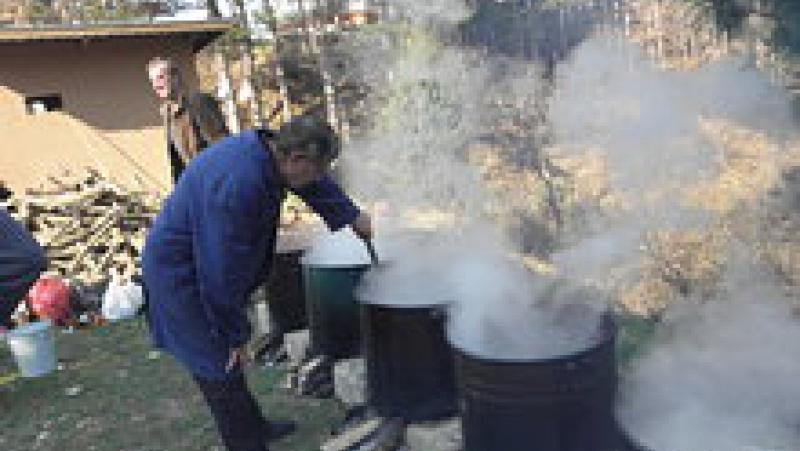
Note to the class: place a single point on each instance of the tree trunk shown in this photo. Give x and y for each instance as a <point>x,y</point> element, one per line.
<point>280,76</point>
<point>226,90</point>
<point>301,18</point>
<point>249,88</point>
<point>213,9</point>
<point>329,89</point>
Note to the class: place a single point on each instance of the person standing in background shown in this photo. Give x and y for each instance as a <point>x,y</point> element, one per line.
<point>192,120</point>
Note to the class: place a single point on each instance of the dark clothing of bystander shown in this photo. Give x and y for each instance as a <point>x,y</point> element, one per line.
<point>21,262</point>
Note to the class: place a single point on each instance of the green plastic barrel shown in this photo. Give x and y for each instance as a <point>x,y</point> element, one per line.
<point>333,312</point>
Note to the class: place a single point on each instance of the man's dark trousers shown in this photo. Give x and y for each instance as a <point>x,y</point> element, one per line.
<point>237,414</point>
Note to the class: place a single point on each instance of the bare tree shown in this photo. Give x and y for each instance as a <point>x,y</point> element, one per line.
<point>249,81</point>
<point>213,9</point>
<point>329,89</point>
<point>225,84</point>
<point>280,73</point>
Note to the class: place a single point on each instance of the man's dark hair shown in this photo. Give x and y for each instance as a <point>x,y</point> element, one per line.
<point>309,134</point>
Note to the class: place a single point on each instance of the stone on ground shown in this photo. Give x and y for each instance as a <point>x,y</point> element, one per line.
<point>350,381</point>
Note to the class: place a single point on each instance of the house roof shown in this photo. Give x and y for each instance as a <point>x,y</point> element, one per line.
<point>201,33</point>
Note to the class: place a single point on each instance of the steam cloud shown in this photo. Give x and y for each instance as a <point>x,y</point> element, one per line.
<point>429,103</point>
<point>722,375</point>
<point>497,308</point>
<point>646,123</point>
<point>435,14</point>
<point>645,120</point>
<point>505,312</point>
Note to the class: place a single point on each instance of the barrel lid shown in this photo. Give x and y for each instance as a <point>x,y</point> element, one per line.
<point>30,328</point>
<point>324,266</point>
<point>404,304</point>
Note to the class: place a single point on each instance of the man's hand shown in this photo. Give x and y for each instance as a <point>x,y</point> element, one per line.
<point>362,226</point>
<point>238,356</point>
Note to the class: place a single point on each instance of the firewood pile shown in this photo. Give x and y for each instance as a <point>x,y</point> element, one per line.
<point>88,225</point>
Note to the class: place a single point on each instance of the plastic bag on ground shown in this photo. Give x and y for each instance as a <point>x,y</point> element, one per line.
<point>122,299</point>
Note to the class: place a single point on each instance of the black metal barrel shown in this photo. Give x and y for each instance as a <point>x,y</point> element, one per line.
<point>286,296</point>
<point>333,315</point>
<point>410,370</point>
<point>557,404</point>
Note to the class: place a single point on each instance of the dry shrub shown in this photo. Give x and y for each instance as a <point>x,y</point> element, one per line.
<point>776,228</point>
<point>646,296</point>
<point>749,166</point>
<point>680,35</point>
<point>755,206</point>
<point>588,181</point>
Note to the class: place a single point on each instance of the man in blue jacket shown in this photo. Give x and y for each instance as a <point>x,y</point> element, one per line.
<point>21,262</point>
<point>212,245</point>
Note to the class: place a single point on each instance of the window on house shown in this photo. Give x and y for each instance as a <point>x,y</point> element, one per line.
<point>43,104</point>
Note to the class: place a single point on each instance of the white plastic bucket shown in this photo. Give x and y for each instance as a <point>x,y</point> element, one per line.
<point>33,348</point>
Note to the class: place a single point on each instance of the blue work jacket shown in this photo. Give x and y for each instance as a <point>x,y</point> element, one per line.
<point>212,245</point>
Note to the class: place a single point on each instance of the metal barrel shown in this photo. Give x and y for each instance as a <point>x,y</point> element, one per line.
<point>333,315</point>
<point>410,370</point>
<point>558,404</point>
<point>285,292</point>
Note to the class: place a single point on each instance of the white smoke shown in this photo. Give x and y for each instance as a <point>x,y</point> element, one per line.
<point>411,272</point>
<point>646,123</point>
<point>497,307</point>
<point>428,104</point>
<point>433,14</point>
<point>415,157</point>
<point>505,312</point>
<point>611,97</point>
<point>722,376</point>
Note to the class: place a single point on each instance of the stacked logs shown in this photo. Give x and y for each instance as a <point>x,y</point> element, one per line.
<point>89,225</point>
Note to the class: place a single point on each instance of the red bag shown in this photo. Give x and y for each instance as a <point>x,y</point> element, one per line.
<point>50,298</point>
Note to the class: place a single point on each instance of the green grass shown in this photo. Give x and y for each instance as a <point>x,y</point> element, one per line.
<point>131,402</point>
<point>635,334</point>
